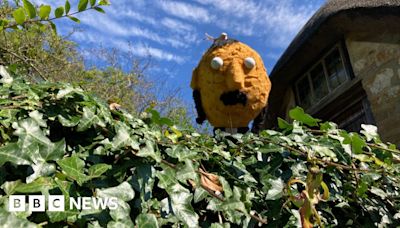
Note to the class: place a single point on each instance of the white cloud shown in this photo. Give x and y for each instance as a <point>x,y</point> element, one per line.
<point>185,11</point>
<point>177,25</point>
<point>277,21</point>
<point>137,49</point>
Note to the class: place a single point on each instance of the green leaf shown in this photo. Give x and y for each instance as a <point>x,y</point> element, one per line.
<point>68,92</point>
<point>29,132</point>
<point>44,12</point>
<point>123,192</point>
<point>149,151</point>
<point>74,19</point>
<point>283,124</point>
<point>98,9</point>
<point>59,12</point>
<point>181,152</point>
<point>68,121</point>
<point>9,186</point>
<point>19,16</point>
<point>199,195</point>
<point>166,177</point>
<point>104,2</point>
<point>82,5</point>
<point>73,168</point>
<point>98,169</point>
<point>299,115</point>
<point>38,117</point>
<point>379,192</point>
<point>146,221</point>
<point>67,7</point>
<point>59,216</point>
<point>12,153</point>
<point>88,120</point>
<point>276,190</point>
<point>370,132</point>
<point>324,152</point>
<point>123,138</point>
<point>42,169</point>
<point>42,184</point>
<point>92,2</point>
<point>9,219</point>
<point>357,143</point>
<point>29,8</point>
<point>181,205</point>
<point>187,172</point>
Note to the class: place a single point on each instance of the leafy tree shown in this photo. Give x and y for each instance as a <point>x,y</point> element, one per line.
<point>31,47</point>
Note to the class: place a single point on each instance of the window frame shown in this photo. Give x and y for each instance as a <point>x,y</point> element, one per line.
<point>332,92</point>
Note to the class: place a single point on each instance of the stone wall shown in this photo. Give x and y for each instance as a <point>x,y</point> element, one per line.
<point>377,63</point>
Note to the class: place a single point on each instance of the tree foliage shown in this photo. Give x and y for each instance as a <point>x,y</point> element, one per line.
<point>33,49</point>
<point>58,139</point>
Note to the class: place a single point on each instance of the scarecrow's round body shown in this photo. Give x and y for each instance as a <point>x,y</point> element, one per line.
<point>233,78</point>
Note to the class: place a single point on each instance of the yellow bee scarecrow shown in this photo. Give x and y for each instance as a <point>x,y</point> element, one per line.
<point>230,85</point>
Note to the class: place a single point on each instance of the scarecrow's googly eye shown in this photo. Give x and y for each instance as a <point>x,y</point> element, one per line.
<point>249,62</point>
<point>216,63</point>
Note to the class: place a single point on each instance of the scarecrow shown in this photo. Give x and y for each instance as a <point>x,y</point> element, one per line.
<point>230,86</point>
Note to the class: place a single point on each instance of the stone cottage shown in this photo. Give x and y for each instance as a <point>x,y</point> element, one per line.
<point>344,66</point>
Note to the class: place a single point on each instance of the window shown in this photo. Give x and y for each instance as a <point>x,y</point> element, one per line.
<point>322,79</point>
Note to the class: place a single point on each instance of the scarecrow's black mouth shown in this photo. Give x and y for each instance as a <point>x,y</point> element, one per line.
<point>233,97</point>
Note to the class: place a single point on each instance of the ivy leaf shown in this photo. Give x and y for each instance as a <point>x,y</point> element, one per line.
<point>146,221</point>
<point>73,168</point>
<point>187,172</point>
<point>88,119</point>
<point>19,16</point>
<point>143,181</point>
<point>59,12</point>
<point>324,151</point>
<point>149,151</point>
<point>181,205</point>
<point>29,132</point>
<point>9,186</point>
<point>12,153</point>
<point>123,138</point>
<point>124,192</point>
<point>42,184</point>
<point>97,170</point>
<point>276,190</point>
<point>9,219</point>
<point>68,92</point>
<point>39,170</point>
<point>199,195</point>
<point>370,132</point>
<point>29,8</point>
<point>379,192</point>
<point>299,115</point>
<point>357,143</point>
<point>68,121</point>
<point>181,152</point>
<point>38,117</point>
<point>166,177</point>
<point>44,12</point>
<point>82,5</point>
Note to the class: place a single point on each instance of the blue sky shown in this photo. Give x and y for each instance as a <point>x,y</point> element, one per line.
<point>172,32</point>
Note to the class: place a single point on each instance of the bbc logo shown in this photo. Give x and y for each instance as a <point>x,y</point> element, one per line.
<point>36,203</point>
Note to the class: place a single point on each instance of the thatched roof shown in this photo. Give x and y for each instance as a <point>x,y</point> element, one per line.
<point>330,9</point>
<point>335,20</point>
